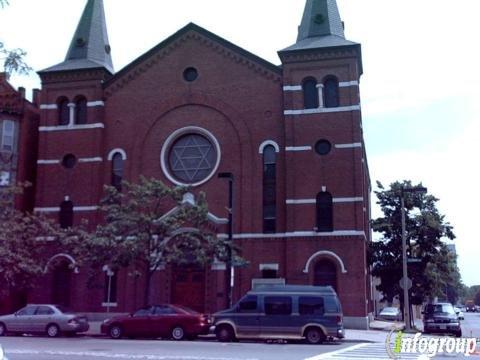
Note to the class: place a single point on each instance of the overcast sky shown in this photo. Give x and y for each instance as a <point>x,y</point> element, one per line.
<point>420,89</point>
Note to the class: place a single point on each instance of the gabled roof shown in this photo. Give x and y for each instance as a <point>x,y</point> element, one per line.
<point>198,29</point>
<point>321,27</point>
<point>89,47</point>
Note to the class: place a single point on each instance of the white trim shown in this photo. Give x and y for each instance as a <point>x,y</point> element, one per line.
<point>292,88</point>
<point>109,304</point>
<point>266,143</point>
<point>112,152</point>
<point>86,160</point>
<point>72,127</point>
<point>48,162</point>
<point>322,110</point>
<point>345,146</point>
<point>295,234</point>
<point>173,136</point>
<point>268,267</point>
<point>218,265</point>
<point>48,106</point>
<point>348,83</point>
<point>313,201</point>
<point>57,208</point>
<point>298,148</point>
<point>69,257</point>
<point>328,253</point>
<point>320,86</point>
<point>95,103</point>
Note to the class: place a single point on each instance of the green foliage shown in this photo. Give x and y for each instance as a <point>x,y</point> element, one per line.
<point>21,257</point>
<point>141,232</point>
<point>436,272</point>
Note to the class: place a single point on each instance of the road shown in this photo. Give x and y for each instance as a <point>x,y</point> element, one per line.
<point>88,348</point>
<point>471,325</point>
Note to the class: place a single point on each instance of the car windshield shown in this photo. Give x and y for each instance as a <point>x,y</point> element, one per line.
<point>64,309</point>
<point>389,310</point>
<point>440,309</point>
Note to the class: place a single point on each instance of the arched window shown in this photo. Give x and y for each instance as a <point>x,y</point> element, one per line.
<point>330,92</point>
<point>324,212</point>
<point>66,214</point>
<point>81,110</point>
<point>269,189</point>
<point>325,274</point>
<point>310,93</point>
<point>117,171</point>
<point>63,112</point>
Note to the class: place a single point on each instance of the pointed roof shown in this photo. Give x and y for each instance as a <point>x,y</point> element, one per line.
<point>321,27</point>
<point>89,47</point>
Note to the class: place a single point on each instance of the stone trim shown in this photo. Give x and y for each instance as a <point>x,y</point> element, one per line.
<point>322,110</point>
<point>72,127</point>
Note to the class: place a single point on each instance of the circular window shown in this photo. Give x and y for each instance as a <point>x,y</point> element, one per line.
<point>323,147</point>
<point>69,161</point>
<point>190,74</point>
<point>190,156</point>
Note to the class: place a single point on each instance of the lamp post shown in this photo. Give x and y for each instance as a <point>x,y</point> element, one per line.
<point>229,276</point>
<point>406,300</point>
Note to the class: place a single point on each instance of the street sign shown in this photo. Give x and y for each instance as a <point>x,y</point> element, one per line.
<point>414,260</point>
<point>409,283</point>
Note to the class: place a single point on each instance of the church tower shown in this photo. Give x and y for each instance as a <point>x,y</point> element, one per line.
<point>328,186</point>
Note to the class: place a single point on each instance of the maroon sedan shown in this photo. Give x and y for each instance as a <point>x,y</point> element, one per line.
<point>166,321</point>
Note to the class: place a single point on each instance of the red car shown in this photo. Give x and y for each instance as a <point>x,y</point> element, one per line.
<point>167,321</point>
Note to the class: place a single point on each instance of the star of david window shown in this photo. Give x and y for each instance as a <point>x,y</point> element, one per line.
<point>192,158</point>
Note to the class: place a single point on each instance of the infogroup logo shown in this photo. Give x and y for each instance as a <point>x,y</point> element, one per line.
<point>428,346</point>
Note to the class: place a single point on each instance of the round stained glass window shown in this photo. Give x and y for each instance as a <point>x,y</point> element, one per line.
<point>192,158</point>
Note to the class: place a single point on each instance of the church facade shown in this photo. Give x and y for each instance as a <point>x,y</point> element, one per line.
<point>193,107</point>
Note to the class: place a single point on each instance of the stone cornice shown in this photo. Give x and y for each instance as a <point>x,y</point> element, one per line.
<point>75,75</point>
<point>318,54</point>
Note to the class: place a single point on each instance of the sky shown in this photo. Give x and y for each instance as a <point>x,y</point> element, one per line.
<point>420,88</point>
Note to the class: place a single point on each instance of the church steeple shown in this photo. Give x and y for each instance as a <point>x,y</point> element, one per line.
<point>321,27</point>
<point>89,47</point>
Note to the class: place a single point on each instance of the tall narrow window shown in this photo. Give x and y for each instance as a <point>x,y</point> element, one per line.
<point>63,112</point>
<point>269,189</point>
<point>324,212</point>
<point>330,92</point>
<point>81,111</point>
<point>117,171</point>
<point>66,214</point>
<point>8,135</point>
<point>310,93</point>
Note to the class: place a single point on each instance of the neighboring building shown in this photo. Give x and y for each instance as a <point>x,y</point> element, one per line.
<point>194,106</point>
<point>19,119</point>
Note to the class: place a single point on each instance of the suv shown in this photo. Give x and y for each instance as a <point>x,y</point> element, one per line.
<point>441,318</point>
<point>305,312</point>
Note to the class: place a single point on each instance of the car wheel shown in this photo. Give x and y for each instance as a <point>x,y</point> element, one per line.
<point>3,329</point>
<point>177,333</point>
<point>224,333</point>
<point>314,336</point>
<point>458,333</point>
<point>115,332</point>
<point>53,330</point>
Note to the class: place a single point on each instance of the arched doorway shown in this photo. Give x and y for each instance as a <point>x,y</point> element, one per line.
<point>325,273</point>
<point>61,283</point>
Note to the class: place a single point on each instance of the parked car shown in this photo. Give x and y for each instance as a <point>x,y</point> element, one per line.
<point>441,318</point>
<point>390,313</point>
<point>166,321</point>
<point>312,313</point>
<point>52,320</point>
<point>459,313</point>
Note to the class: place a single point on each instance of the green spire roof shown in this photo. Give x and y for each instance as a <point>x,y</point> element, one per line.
<point>321,27</point>
<point>89,47</point>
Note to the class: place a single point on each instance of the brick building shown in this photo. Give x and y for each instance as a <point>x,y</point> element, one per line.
<point>197,105</point>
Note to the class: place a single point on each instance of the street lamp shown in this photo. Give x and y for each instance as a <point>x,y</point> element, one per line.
<point>230,276</point>
<point>406,300</point>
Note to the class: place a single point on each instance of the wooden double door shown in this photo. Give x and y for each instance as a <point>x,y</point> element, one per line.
<point>188,287</point>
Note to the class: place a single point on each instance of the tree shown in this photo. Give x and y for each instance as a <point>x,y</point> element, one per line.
<point>425,230</point>
<point>13,59</point>
<point>143,233</point>
<point>21,257</point>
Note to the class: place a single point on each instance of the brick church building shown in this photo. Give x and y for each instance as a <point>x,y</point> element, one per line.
<point>195,106</point>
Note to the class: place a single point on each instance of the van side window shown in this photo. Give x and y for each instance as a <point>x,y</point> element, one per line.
<point>308,305</point>
<point>278,305</point>
<point>248,303</point>
<point>331,305</point>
